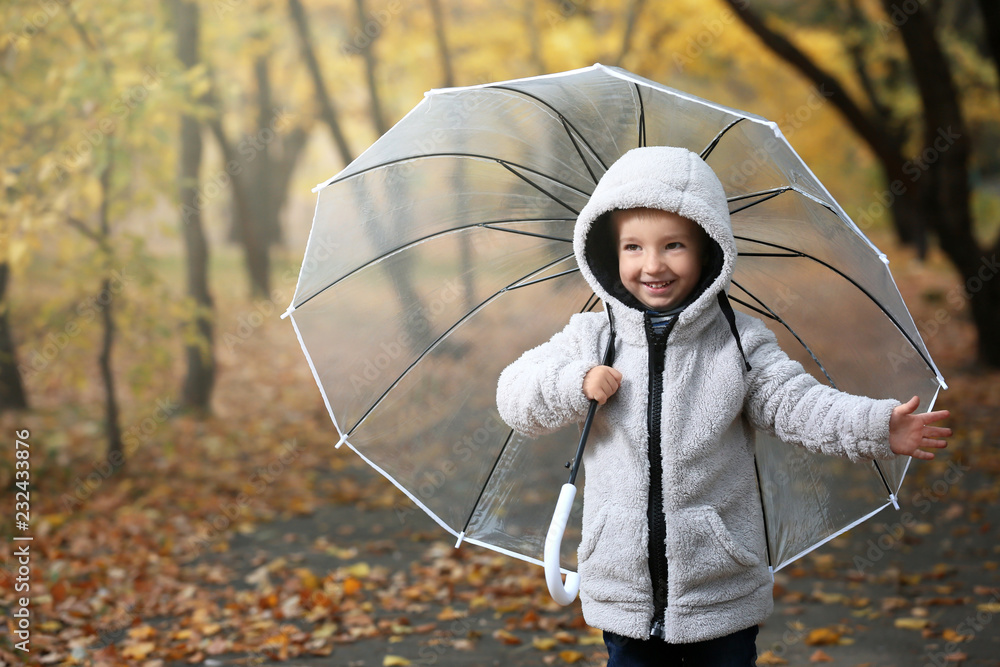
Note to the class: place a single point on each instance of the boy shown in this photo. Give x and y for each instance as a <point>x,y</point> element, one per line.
<point>672,558</point>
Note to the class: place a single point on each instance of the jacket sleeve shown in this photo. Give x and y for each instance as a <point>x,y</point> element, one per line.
<point>542,391</point>
<point>784,400</point>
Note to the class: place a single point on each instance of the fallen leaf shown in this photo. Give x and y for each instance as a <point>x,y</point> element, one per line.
<point>138,651</point>
<point>544,643</point>
<point>769,658</point>
<point>820,656</point>
<point>571,656</point>
<point>822,637</point>
<point>950,635</point>
<point>506,637</point>
<point>956,657</point>
<point>394,661</point>
<point>989,607</point>
<point>911,623</point>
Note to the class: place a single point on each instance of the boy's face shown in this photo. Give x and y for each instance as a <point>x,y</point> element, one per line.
<point>659,255</point>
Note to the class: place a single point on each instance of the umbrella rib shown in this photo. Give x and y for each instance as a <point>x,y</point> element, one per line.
<point>850,280</point>
<point>476,156</point>
<point>445,335</point>
<point>524,233</point>
<point>538,187</point>
<point>428,237</point>
<point>642,117</point>
<point>482,490</point>
<point>759,193</point>
<point>592,302</point>
<point>558,115</point>
<point>778,318</point>
<point>755,309</point>
<point>763,510</point>
<point>542,280</point>
<point>715,142</point>
<point>583,159</point>
<point>772,195</point>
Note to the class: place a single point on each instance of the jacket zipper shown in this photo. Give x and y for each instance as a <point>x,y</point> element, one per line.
<point>657,346</point>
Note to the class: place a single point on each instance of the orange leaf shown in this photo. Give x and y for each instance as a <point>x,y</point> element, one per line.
<point>820,656</point>
<point>822,637</point>
<point>351,586</point>
<point>506,637</point>
<point>571,656</point>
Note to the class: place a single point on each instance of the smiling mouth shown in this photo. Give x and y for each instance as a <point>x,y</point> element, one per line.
<point>661,285</point>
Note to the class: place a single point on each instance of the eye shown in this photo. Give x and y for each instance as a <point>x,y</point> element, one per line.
<point>676,245</point>
<point>631,246</point>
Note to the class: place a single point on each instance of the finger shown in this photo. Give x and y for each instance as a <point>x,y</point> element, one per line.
<point>927,442</point>
<point>921,454</point>
<point>617,375</point>
<point>911,405</point>
<point>930,417</point>
<point>937,432</point>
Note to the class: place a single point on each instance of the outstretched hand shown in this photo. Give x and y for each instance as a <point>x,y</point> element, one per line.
<point>600,383</point>
<point>909,432</point>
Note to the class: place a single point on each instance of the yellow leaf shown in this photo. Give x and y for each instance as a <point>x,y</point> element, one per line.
<point>592,640</point>
<point>359,570</point>
<point>138,651</point>
<point>544,644</point>
<point>769,658</point>
<point>989,607</point>
<point>571,656</point>
<point>394,661</point>
<point>912,623</point>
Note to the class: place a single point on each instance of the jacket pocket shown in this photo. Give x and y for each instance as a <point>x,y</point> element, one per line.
<point>591,536</point>
<point>706,564</point>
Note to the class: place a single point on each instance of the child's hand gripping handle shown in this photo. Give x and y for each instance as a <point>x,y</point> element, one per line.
<point>563,594</point>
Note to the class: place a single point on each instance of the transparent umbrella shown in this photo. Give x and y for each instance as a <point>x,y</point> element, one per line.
<point>445,250</point>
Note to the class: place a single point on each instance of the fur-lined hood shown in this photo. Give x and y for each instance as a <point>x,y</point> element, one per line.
<point>666,178</point>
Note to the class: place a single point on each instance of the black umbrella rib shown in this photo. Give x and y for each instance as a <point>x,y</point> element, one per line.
<point>715,142</point>
<point>445,335</point>
<point>642,117</point>
<point>545,192</point>
<point>559,115</point>
<point>524,233</point>
<point>770,194</point>
<point>592,302</point>
<point>798,253</point>
<point>778,318</point>
<point>428,237</point>
<point>745,304</point>
<point>583,159</point>
<point>763,509</point>
<point>482,490</point>
<point>477,156</point>
<point>542,280</point>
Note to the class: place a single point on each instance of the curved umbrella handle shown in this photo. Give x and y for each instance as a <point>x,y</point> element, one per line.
<point>563,594</point>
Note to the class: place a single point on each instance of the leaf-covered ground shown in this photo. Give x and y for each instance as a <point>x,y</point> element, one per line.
<point>246,538</point>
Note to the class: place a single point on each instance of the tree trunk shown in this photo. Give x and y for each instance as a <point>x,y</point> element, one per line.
<point>198,383</point>
<point>112,427</point>
<point>12,396</point>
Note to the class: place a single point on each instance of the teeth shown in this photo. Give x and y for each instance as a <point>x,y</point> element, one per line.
<point>659,285</point>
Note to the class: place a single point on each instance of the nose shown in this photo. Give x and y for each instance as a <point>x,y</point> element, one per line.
<point>653,263</point>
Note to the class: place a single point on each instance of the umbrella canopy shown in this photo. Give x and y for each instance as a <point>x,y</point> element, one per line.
<point>445,250</point>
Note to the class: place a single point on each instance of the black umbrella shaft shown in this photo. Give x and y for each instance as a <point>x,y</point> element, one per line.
<point>609,358</point>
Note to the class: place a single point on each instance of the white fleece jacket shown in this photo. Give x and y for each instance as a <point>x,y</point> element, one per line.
<point>718,579</point>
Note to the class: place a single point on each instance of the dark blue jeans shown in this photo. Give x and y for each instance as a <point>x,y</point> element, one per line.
<point>736,650</point>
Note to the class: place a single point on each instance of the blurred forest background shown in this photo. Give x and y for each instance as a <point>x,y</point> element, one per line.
<point>157,162</point>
